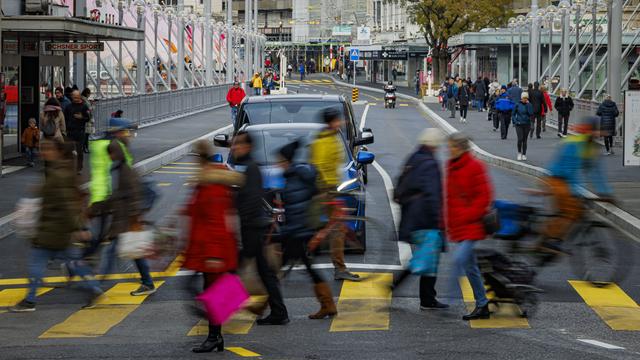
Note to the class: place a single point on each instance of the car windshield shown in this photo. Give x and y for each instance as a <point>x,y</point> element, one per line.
<point>268,142</point>
<point>276,112</point>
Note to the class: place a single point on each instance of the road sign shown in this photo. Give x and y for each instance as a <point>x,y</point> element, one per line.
<point>354,54</point>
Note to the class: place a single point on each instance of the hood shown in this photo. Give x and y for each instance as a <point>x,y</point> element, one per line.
<point>608,103</point>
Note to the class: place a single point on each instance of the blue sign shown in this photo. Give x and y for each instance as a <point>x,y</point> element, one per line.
<point>354,54</point>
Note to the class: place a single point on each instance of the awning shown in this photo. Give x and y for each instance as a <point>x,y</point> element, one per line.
<point>68,28</point>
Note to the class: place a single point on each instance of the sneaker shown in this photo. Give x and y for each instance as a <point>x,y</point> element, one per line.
<point>346,275</point>
<point>23,306</point>
<point>560,135</point>
<point>524,157</point>
<point>143,290</point>
<point>494,129</point>
<point>612,153</point>
<point>519,157</point>
<point>608,153</point>
<point>538,137</point>
<point>434,306</point>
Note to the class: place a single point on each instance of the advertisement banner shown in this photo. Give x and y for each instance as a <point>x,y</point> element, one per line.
<point>631,140</point>
<point>341,30</point>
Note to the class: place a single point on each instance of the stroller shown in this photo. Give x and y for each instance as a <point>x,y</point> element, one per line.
<point>510,279</point>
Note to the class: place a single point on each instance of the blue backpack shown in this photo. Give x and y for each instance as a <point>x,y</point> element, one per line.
<point>504,104</point>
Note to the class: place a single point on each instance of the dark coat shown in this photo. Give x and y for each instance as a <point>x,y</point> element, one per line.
<point>514,93</point>
<point>564,105</point>
<point>125,201</point>
<point>536,98</point>
<point>522,113</point>
<point>419,193</point>
<point>464,95</point>
<point>249,203</point>
<point>76,116</point>
<point>481,89</point>
<point>608,112</point>
<point>299,189</point>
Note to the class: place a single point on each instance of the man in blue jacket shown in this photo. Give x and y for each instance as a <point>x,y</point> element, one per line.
<point>504,107</point>
<point>419,193</point>
<point>452,95</point>
<point>514,92</point>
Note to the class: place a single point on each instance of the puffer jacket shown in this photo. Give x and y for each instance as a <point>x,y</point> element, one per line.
<point>536,99</point>
<point>514,93</point>
<point>608,112</point>
<point>564,105</point>
<point>419,193</point>
<point>504,104</point>
<point>327,154</point>
<point>464,95</point>
<point>299,189</point>
<point>61,211</point>
<point>522,113</point>
<point>469,195</point>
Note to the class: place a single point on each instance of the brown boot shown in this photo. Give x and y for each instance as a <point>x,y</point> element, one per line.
<point>327,306</point>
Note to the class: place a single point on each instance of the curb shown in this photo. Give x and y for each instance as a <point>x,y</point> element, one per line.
<point>144,167</point>
<point>625,221</point>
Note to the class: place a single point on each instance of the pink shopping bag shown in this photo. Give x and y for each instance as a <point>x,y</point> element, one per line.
<point>223,298</point>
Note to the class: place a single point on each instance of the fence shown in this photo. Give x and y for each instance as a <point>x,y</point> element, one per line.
<point>152,107</point>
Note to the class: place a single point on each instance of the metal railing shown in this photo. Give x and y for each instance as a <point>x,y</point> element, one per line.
<point>153,107</point>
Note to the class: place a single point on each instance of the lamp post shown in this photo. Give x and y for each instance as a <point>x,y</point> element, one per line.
<point>170,13</point>
<point>551,16</point>
<point>192,21</point>
<point>595,4</point>
<point>539,18</point>
<point>512,26</point>
<point>157,9</point>
<point>520,24</point>
<point>531,51</point>
<point>577,8</point>
<point>614,11</point>
<point>229,39</point>
<point>563,10</point>
<point>208,39</point>
<point>140,58</point>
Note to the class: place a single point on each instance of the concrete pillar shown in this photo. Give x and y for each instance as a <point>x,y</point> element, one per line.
<point>180,62</point>
<point>80,69</point>
<point>614,62</point>
<point>229,38</point>
<point>564,55</point>
<point>467,63</point>
<point>208,38</point>
<point>140,58</point>
<point>256,54</point>
<point>248,47</point>
<point>474,64</point>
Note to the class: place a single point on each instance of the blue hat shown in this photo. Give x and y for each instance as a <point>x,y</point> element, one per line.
<point>504,87</point>
<point>118,124</point>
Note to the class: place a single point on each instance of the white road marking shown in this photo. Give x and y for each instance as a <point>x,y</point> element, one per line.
<point>363,119</point>
<point>601,344</point>
<point>326,266</point>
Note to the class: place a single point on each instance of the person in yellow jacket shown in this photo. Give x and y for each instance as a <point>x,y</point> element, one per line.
<point>327,155</point>
<point>256,84</point>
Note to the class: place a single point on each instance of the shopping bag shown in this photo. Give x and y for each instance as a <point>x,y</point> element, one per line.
<point>427,253</point>
<point>223,298</point>
<point>136,244</point>
<point>27,217</point>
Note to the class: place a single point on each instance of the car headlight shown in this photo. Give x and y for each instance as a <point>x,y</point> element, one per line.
<point>347,184</point>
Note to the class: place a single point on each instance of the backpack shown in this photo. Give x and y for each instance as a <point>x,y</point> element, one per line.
<point>49,128</point>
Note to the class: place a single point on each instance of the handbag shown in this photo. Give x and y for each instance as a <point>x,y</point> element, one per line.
<point>427,253</point>
<point>136,244</point>
<point>223,298</point>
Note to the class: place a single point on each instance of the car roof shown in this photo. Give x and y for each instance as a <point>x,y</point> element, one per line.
<point>296,97</point>
<point>285,126</point>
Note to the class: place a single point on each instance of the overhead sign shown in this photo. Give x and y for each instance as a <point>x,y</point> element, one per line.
<point>364,33</point>
<point>631,148</point>
<point>354,54</point>
<point>341,30</point>
<point>385,54</point>
<point>74,46</point>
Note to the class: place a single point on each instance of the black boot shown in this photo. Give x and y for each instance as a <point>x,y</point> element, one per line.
<point>214,341</point>
<point>478,313</point>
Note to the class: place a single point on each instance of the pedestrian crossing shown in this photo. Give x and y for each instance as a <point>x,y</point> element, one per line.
<point>362,306</point>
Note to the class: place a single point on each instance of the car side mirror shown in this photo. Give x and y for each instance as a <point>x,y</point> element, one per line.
<point>365,157</point>
<point>221,140</point>
<point>366,137</point>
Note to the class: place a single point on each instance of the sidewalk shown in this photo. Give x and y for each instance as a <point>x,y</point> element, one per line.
<point>149,141</point>
<point>624,180</point>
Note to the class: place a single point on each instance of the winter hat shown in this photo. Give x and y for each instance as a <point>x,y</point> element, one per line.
<point>503,87</point>
<point>525,95</point>
<point>118,124</point>
<point>431,137</point>
<point>289,151</point>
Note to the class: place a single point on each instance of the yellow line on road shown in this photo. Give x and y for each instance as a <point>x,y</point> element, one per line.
<point>111,309</point>
<point>364,306</point>
<point>184,163</point>
<point>239,324</point>
<point>10,297</point>
<point>242,351</point>
<point>164,184</point>
<point>611,303</point>
<point>181,167</point>
<point>506,316</point>
<point>404,104</point>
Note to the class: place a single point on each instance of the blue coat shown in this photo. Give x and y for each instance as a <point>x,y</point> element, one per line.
<point>299,189</point>
<point>504,103</point>
<point>514,93</point>
<point>419,192</point>
<point>522,113</point>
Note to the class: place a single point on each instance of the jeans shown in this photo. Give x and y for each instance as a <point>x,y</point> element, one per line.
<point>444,102</point>
<point>537,119</point>
<point>563,123</point>
<point>234,113</point>
<point>31,153</point>
<point>451,103</point>
<point>464,262</point>
<point>79,148</point>
<point>505,120</point>
<point>301,76</point>
<point>463,111</point>
<point>110,261</point>
<point>479,104</point>
<point>522,131</point>
<point>257,91</point>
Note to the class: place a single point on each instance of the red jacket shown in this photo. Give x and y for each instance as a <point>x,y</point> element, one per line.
<point>469,195</point>
<point>211,234</point>
<point>235,96</point>
<point>547,99</point>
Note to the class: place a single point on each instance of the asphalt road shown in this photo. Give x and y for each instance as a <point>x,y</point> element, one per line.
<point>371,326</point>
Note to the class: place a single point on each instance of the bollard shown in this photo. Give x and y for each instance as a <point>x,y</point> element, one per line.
<point>354,94</point>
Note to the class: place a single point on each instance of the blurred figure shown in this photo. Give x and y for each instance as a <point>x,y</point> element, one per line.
<point>125,203</point>
<point>212,248</point>
<point>481,92</point>
<point>539,106</point>
<point>576,155</point>
<point>493,113</point>
<point>256,84</point>
<point>452,96</point>
<point>52,120</point>
<point>117,114</point>
<point>30,140</point>
<point>77,115</point>
<point>608,112</point>
<point>468,197</point>
<point>548,109</point>
<point>301,70</point>
<point>327,155</point>
<point>521,118</point>
<point>234,97</point>
<point>564,106</point>
<point>464,96</point>
<point>504,108</point>
<point>89,126</point>
<point>60,219</point>
<point>419,193</point>
<point>254,224</point>
<point>299,189</point>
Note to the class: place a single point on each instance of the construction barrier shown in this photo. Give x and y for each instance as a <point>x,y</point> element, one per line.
<point>354,94</point>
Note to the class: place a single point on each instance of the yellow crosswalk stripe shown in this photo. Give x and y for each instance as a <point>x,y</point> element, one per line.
<point>175,172</point>
<point>364,306</point>
<point>111,309</point>
<point>506,316</point>
<point>185,163</point>
<point>181,167</point>
<point>404,104</point>
<point>10,297</point>
<point>239,324</point>
<point>242,351</point>
<point>611,303</point>
<point>164,184</point>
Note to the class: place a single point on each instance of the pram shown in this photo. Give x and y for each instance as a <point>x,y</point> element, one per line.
<point>510,280</point>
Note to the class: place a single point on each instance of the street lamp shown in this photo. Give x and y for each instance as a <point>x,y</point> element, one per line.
<point>156,9</point>
<point>551,16</point>
<point>512,25</point>
<point>520,23</point>
<point>594,4</point>
<point>564,8</point>
<point>577,8</point>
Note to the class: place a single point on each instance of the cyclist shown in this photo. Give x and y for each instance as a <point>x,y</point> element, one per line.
<point>576,157</point>
<point>327,155</point>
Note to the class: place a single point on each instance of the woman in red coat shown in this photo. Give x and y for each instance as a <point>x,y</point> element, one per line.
<point>212,248</point>
<point>469,196</point>
<point>547,99</point>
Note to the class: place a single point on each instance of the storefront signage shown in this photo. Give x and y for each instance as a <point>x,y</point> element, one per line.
<point>341,30</point>
<point>631,146</point>
<point>74,46</point>
<point>385,54</point>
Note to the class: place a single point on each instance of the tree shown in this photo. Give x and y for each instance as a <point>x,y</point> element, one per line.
<point>440,20</point>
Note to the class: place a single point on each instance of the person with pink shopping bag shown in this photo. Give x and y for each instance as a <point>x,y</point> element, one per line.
<point>212,248</point>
